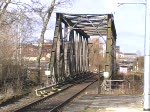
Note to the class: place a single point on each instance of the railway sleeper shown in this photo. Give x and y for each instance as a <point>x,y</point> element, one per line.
<point>43,93</point>
<point>55,89</point>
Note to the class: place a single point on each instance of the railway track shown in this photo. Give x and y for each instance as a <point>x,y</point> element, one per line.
<point>56,101</point>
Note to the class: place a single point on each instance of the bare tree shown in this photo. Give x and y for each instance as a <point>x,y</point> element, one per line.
<point>45,21</point>
<point>15,24</point>
<point>45,15</point>
<point>96,56</point>
<point>3,6</point>
<point>20,22</point>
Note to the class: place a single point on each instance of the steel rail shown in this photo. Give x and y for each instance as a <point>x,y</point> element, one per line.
<point>23,108</point>
<point>55,109</point>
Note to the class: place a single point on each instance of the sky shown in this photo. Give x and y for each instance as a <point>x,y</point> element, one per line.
<point>129,20</point>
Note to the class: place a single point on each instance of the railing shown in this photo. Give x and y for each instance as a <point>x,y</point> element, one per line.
<point>115,86</point>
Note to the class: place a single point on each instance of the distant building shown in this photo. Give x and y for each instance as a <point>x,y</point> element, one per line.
<point>123,69</point>
<point>30,53</point>
<point>125,60</point>
<point>130,56</point>
<point>117,48</point>
<point>118,53</point>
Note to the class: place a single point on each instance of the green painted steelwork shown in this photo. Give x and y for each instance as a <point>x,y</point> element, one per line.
<point>70,50</point>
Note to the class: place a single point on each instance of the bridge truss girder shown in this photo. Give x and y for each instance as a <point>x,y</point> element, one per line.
<point>70,52</point>
<point>111,64</point>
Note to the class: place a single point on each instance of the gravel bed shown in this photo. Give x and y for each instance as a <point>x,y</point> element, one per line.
<point>12,106</point>
<point>18,103</point>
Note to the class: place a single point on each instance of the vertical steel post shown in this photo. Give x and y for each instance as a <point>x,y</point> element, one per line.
<point>61,54</point>
<point>58,54</point>
<point>83,57</point>
<point>73,56</point>
<point>70,47</point>
<point>147,58</point>
<point>113,54</point>
<point>80,53</point>
<point>65,50</point>
<point>88,53</point>
<point>76,51</point>
<point>108,47</point>
<point>68,52</point>
<point>115,61</point>
<point>54,46</point>
<point>57,69</point>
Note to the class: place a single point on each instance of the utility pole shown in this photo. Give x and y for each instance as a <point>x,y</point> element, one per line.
<point>146,54</point>
<point>147,58</point>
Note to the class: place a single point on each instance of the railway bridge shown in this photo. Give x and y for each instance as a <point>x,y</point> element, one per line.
<point>70,58</point>
<point>70,49</point>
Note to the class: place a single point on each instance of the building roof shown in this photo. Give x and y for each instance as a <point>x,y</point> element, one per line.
<point>130,54</point>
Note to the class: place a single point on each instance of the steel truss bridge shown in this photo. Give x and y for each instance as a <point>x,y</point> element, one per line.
<point>70,49</point>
